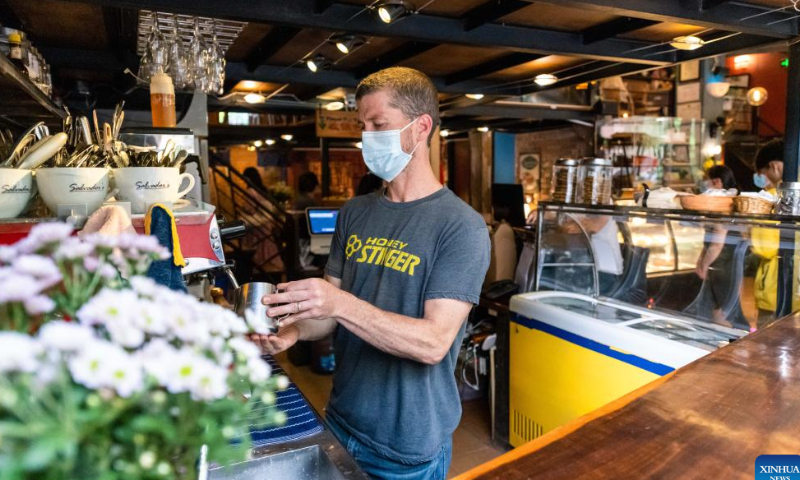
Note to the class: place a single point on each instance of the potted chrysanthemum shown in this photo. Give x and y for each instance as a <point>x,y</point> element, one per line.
<point>106,375</point>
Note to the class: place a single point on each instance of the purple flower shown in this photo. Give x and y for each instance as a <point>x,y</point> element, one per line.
<point>43,235</point>
<point>73,248</point>
<point>91,264</point>
<point>18,288</point>
<point>108,271</point>
<point>38,267</point>
<point>7,253</point>
<point>39,304</point>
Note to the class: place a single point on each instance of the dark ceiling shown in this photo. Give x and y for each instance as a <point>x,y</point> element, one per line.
<point>493,47</point>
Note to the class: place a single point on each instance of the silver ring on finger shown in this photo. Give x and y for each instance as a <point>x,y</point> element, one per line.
<point>296,307</point>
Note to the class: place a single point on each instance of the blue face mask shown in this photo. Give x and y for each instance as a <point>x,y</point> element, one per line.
<point>760,180</point>
<point>383,152</point>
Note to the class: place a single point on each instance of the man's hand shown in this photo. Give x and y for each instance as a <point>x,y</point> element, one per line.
<point>311,299</point>
<point>282,341</point>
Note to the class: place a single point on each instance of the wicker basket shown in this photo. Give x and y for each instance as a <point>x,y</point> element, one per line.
<point>752,205</point>
<point>703,203</point>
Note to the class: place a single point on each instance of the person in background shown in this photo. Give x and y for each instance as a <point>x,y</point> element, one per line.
<point>252,175</point>
<point>714,262</point>
<point>308,191</point>
<point>503,262</point>
<point>369,183</point>
<point>405,269</point>
<point>766,241</point>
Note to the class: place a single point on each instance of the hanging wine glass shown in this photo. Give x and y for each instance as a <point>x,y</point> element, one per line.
<point>178,61</point>
<point>198,54</point>
<point>216,67</point>
<point>159,53</point>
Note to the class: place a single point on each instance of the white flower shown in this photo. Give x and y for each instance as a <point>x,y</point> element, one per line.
<point>194,373</point>
<point>125,332</point>
<point>150,318</point>
<point>257,322</point>
<point>102,364</point>
<point>259,370</point>
<point>64,336</point>
<point>8,253</point>
<point>144,286</point>
<point>210,382</point>
<point>107,306</point>
<point>186,325</point>
<point>18,353</point>
<point>158,358</point>
<point>246,348</point>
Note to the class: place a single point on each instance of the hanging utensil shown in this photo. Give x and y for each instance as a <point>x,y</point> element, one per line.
<point>42,151</point>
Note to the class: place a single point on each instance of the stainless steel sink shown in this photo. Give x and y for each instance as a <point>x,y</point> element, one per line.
<point>317,458</point>
<point>309,463</point>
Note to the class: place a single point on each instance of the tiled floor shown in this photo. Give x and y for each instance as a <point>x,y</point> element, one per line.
<point>472,445</point>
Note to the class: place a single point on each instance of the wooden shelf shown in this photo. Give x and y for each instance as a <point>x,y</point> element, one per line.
<point>21,102</point>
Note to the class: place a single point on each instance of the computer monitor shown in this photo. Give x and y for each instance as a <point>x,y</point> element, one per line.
<point>321,225</point>
<point>508,199</point>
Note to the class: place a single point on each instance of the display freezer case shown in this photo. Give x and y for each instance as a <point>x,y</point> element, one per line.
<point>571,354</point>
<point>624,295</point>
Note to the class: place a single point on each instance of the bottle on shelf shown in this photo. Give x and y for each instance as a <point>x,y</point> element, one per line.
<point>15,51</point>
<point>162,100</point>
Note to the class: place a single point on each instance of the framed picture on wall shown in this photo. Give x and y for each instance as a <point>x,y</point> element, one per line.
<point>690,71</point>
<point>529,168</point>
<point>739,81</point>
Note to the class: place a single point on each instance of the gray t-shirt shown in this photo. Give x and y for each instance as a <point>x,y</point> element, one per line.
<point>396,256</point>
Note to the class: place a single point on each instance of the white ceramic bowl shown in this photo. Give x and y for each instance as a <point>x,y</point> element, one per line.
<point>16,190</point>
<point>73,186</point>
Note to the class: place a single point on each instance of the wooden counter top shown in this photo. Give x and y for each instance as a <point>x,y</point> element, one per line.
<point>710,419</point>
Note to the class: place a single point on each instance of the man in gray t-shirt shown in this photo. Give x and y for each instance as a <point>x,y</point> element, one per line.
<point>406,267</point>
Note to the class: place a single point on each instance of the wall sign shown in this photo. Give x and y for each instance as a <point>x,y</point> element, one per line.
<point>689,92</point>
<point>341,124</point>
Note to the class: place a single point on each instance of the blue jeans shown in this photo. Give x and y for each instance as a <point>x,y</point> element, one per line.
<point>378,467</point>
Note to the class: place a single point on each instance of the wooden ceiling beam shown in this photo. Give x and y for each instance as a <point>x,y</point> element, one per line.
<point>613,28</point>
<point>397,55</point>
<point>491,66</point>
<point>735,17</point>
<point>490,11</point>
<point>420,27</point>
<point>273,41</point>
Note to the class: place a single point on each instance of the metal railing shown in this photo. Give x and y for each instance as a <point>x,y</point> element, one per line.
<point>238,198</point>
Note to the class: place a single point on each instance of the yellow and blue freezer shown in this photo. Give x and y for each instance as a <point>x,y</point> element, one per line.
<point>570,354</point>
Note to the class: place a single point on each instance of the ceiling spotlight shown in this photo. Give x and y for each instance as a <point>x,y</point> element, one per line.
<point>269,142</point>
<point>474,96</point>
<point>390,10</point>
<point>334,106</point>
<point>359,144</point>
<point>251,148</point>
<point>318,62</point>
<point>258,143</point>
<point>757,96</point>
<point>255,98</point>
<point>483,129</point>
<point>288,137</point>
<point>689,42</point>
<point>444,133</point>
<point>347,43</point>
<point>545,79</point>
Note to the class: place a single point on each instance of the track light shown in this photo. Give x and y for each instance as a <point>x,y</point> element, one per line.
<point>444,133</point>
<point>318,62</point>
<point>483,129</point>
<point>689,42</point>
<point>474,96</point>
<point>391,10</point>
<point>255,98</point>
<point>346,43</point>
<point>258,143</point>
<point>332,106</point>
<point>359,144</point>
<point>269,142</point>
<point>545,79</point>
<point>288,137</point>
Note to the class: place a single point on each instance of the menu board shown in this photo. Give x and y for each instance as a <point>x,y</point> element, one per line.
<point>337,124</point>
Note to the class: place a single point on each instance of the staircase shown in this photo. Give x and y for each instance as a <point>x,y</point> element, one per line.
<point>257,254</point>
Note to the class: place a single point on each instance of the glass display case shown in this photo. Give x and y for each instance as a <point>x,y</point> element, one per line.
<point>713,267</point>
<point>657,151</point>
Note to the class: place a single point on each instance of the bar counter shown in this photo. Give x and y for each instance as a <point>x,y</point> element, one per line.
<point>710,419</point>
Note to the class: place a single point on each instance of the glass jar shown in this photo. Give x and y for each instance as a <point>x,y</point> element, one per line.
<point>564,186</point>
<point>596,179</point>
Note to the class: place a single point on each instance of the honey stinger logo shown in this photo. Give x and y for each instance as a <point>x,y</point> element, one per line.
<point>383,252</point>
